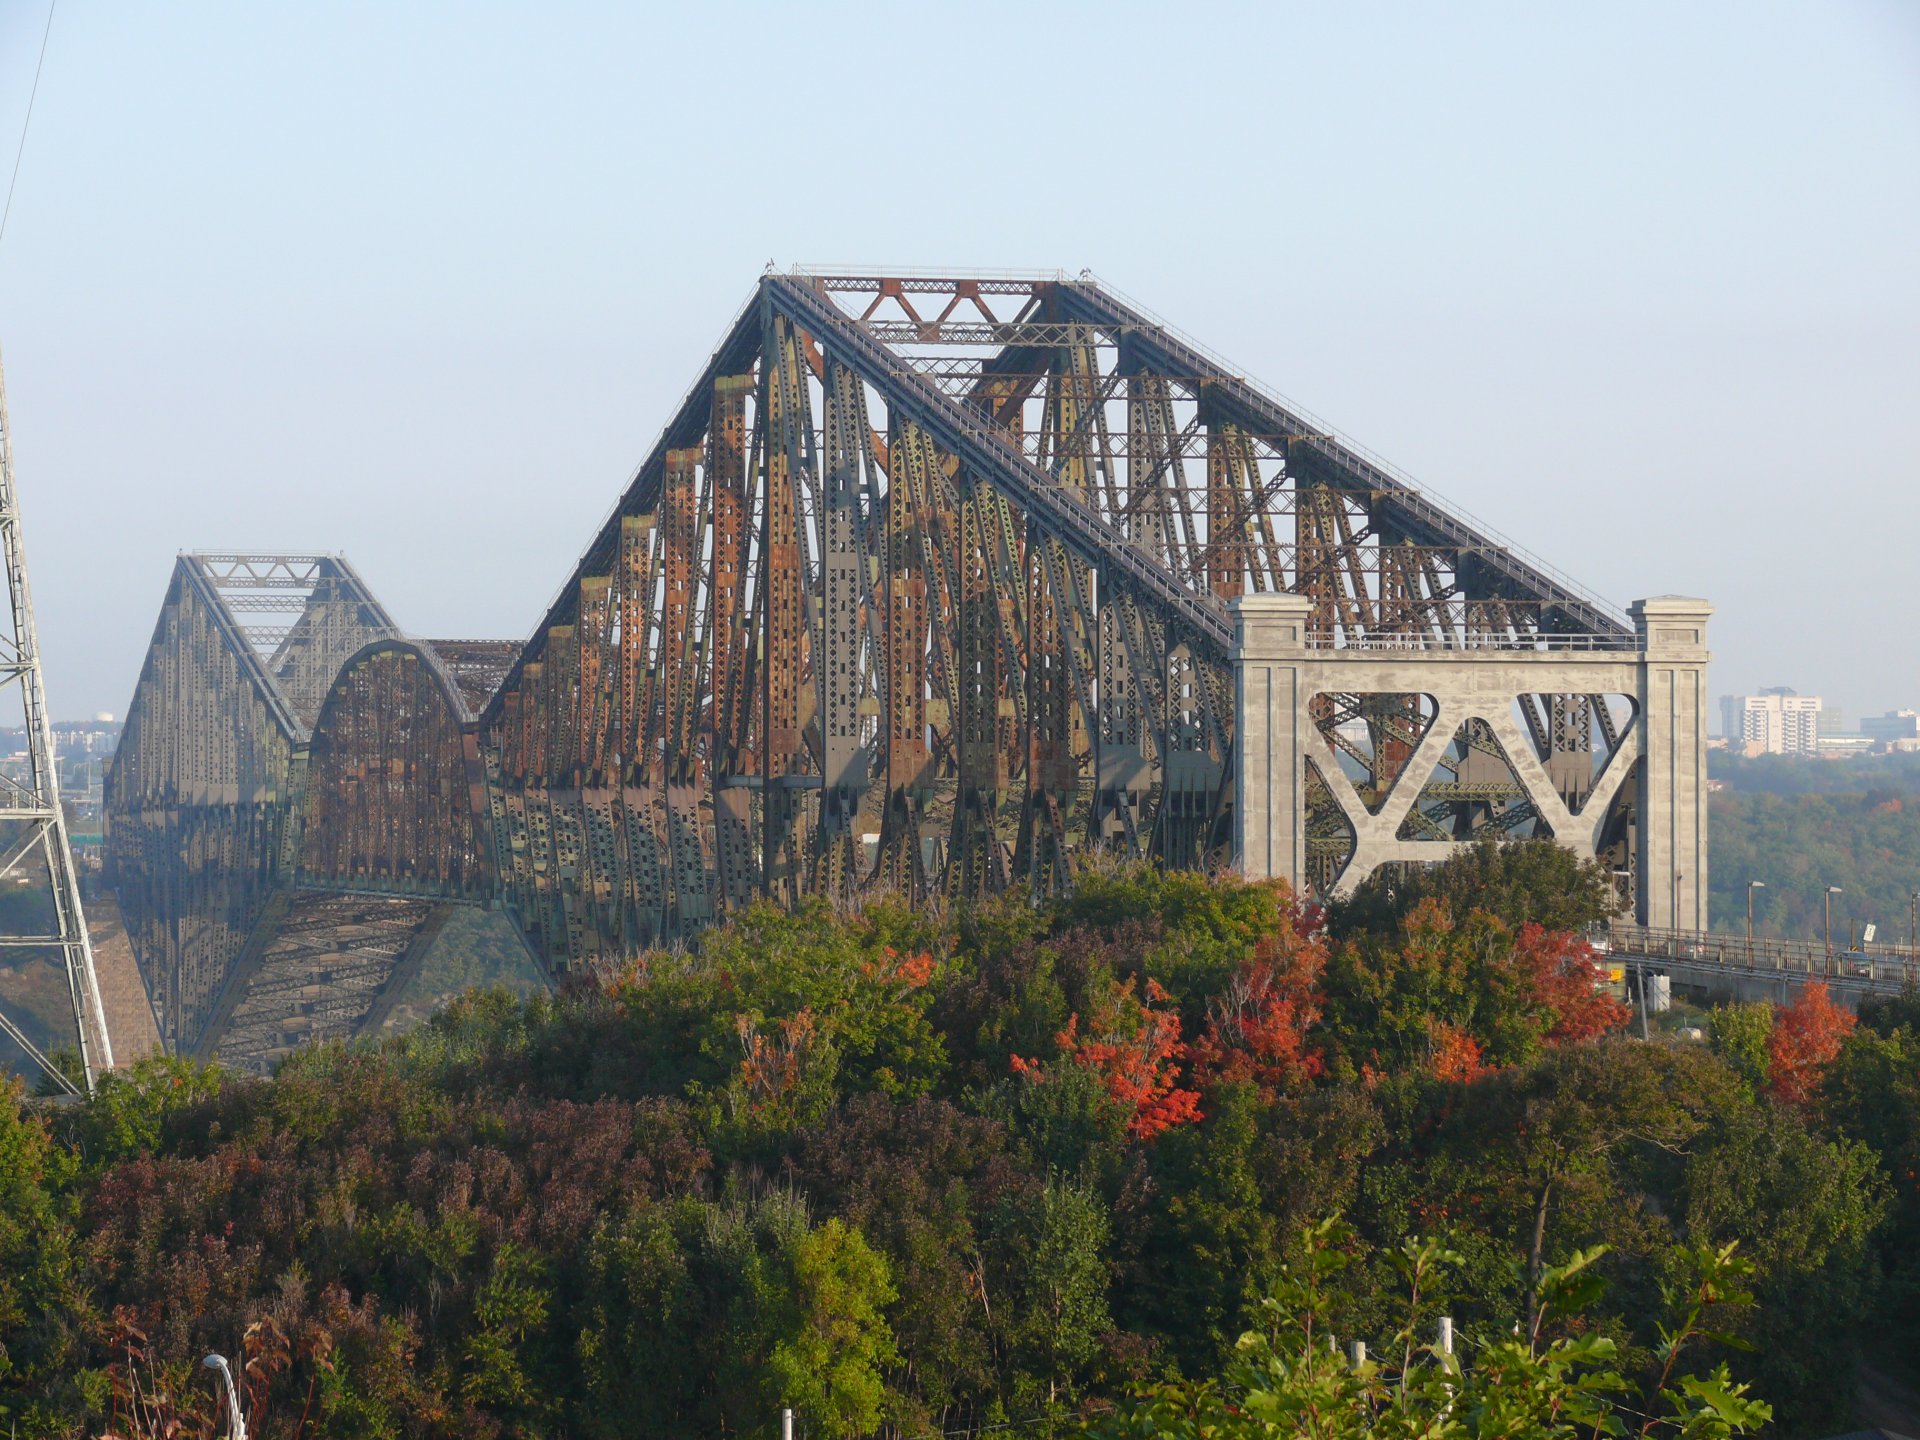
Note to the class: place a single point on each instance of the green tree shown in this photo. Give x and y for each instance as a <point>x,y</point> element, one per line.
<point>1213,1244</point>
<point>741,1308</point>
<point>1804,1211</point>
<point>1289,1377</point>
<point>511,1306</point>
<point>834,1346</point>
<point>1740,1033</point>
<point>642,1295</point>
<point>40,1298</point>
<point>1871,1094</point>
<point>1559,1134</point>
<point>1450,991</point>
<point>1058,1239</point>
<point>1519,881</point>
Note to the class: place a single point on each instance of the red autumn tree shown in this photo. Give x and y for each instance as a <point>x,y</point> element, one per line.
<point>1806,1035</point>
<point>1257,1027</point>
<point>1136,1051</point>
<point>1563,972</point>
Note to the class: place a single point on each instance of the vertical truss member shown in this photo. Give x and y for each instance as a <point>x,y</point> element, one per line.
<point>905,630</point>
<point>640,799</point>
<point>840,670</point>
<point>731,634</point>
<point>784,757</point>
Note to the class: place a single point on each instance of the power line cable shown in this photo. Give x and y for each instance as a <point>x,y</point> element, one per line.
<point>27,124</point>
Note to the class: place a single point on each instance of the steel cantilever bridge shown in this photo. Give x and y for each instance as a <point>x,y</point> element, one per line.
<point>930,584</point>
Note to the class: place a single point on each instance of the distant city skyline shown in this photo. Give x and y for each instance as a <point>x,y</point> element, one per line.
<point>421,284</point>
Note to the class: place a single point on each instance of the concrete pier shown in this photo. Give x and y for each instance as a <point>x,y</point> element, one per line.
<point>1661,751</point>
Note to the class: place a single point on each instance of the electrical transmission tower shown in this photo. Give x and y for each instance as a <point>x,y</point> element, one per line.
<point>33,831</point>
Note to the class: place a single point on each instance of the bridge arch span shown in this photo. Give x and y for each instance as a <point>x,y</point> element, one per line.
<point>395,794</point>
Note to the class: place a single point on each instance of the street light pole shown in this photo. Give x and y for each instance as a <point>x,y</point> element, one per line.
<point>236,1423</point>
<point>1832,890</point>
<point>1752,885</point>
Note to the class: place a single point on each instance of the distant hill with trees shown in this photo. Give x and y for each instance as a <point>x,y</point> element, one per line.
<point>1801,825</point>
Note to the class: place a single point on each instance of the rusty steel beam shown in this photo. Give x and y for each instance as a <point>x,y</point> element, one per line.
<point>922,590</point>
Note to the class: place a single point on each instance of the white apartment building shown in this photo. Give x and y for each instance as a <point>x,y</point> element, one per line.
<point>1775,722</point>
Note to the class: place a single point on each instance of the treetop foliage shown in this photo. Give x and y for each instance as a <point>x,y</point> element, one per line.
<point>911,1171</point>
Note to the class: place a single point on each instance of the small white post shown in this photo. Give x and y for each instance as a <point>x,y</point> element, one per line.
<point>1359,1354</point>
<point>786,1423</point>
<point>1446,1334</point>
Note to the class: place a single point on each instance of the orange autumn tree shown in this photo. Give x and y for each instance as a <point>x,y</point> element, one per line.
<point>909,972</point>
<point>1456,1054</point>
<point>1806,1036</point>
<point>1133,1045</point>
<point>772,1065</point>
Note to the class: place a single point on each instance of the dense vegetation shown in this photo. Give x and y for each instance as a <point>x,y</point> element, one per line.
<point>1806,775</point>
<point>1801,825</point>
<point>917,1173</point>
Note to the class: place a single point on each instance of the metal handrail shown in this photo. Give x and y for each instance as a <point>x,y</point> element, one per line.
<point>1470,640</point>
<point>925,272</point>
<point>1878,967</point>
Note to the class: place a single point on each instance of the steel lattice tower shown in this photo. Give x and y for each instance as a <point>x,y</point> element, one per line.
<point>34,829</point>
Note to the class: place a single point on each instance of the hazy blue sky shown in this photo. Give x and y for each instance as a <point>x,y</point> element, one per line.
<point>1639,283</point>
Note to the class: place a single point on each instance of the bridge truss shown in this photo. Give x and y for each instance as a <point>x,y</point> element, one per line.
<point>296,795</point>
<point>927,587</point>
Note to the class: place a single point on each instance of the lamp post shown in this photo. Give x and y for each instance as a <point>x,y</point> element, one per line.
<point>1752,885</point>
<point>236,1423</point>
<point>1913,925</point>
<point>1832,890</point>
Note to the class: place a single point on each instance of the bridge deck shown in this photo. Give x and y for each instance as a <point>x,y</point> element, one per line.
<point>1762,966</point>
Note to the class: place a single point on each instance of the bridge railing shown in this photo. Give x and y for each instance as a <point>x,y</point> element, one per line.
<point>1452,642</point>
<point>1880,966</point>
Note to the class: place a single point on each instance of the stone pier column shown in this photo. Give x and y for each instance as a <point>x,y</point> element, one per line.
<point>1270,709</point>
<point>1673,781</point>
